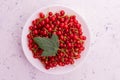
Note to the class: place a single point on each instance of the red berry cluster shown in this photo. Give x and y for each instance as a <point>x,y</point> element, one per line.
<point>69,31</point>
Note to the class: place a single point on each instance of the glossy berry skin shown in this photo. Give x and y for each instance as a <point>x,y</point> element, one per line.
<point>42,15</point>
<point>50,13</point>
<point>70,34</point>
<point>62,12</point>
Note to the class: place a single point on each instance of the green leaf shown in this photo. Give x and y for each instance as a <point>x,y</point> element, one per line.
<point>55,38</point>
<point>47,53</point>
<point>49,45</point>
<point>43,43</point>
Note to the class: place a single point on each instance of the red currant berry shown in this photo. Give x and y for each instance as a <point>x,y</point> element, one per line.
<point>61,37</point>
<point>47,26</point>
<point>83,37</point>
<point>42,22</point>
<point>34,22</point>
<point>53,18</point>
<point>47,20</point>
<point>62,19</point>
<point>35,32</point>
<point>66,26</point>
<point>82,48</point>
<point>69,45</point>
<point>57,15</point>
<point>50,13</point>
<point>75,37</point>
<point>62,25</point>
<point>42,15</point>
<point>58,22</point>
<point>62,12</point>
<point>28,36</point>
<point>47,67</point>
<point>59,33</point>
<point>44,33</point>
<point>49,29</point>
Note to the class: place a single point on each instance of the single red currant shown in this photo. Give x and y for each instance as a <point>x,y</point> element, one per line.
<point>50,13</point>
<point>42,15</point>
<point>62,12</point>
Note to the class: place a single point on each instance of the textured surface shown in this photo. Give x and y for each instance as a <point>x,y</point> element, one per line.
<point>102,17</point>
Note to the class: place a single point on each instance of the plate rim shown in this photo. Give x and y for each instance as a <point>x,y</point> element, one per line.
<point>30,19</point>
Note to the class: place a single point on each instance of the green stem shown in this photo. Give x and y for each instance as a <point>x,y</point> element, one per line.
<point>61,41</point>
<point>62,50</point>
<point>80,40</point>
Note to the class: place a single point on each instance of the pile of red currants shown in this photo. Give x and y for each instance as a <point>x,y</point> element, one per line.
<point>70,37</point>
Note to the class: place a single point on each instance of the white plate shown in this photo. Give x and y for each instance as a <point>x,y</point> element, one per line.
<point>35,62</point>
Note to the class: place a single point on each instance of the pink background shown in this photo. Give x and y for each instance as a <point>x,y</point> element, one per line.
<point>102,17</point>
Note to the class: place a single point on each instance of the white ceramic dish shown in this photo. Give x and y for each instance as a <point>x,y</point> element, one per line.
<point>36,63</point>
